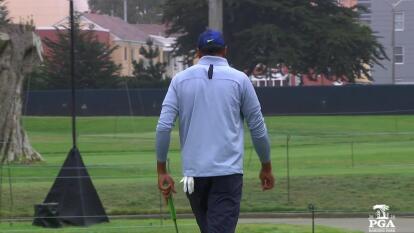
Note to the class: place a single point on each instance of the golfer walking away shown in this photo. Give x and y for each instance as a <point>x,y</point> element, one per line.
<point>211,101</point>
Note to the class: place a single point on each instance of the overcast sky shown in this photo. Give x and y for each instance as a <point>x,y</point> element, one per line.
<point>81,5</point>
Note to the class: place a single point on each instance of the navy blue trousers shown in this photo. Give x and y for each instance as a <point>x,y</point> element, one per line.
<point>216,202</point>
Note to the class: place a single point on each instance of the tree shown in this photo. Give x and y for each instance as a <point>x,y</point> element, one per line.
<point>139,11</point>
<point>302,34</point>
<point>4,13</point>
<point>148,72</point>
<point>20,51</point>
<point>94,67</point>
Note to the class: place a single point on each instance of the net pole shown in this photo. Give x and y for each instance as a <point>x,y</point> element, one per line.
<point>72,72</point>
<point>1,189</point>
<point>288,168</point>
<point>10,193</point>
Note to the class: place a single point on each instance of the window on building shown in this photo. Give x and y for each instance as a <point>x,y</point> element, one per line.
<point>399,55</point>
<point>132,55</point>
<point>399,21</point>
<point>125,53</point>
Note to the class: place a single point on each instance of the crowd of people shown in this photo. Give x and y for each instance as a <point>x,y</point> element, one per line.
<point>280,76</point>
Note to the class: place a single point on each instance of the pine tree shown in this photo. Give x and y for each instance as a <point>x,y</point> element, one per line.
<point>148,72</point>
<point>94,67</point>
<point>4,13</point>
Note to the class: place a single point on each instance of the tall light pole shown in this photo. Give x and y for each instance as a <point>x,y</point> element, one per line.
<point>126,10</point>
<point>215,14</point>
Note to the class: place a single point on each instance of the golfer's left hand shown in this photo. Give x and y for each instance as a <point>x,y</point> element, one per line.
<point>166,185</point>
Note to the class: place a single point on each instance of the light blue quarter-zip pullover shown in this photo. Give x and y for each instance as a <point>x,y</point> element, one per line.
<point>211,112</point>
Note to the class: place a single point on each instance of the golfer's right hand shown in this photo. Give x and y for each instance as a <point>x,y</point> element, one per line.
<point>166,185</point>
<point>266,177</point>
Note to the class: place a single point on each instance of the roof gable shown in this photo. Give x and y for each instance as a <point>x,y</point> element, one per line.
<point>118,27</point>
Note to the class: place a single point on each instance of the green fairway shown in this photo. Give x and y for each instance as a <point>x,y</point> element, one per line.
<point>339,163</point>
<point>153,226</point>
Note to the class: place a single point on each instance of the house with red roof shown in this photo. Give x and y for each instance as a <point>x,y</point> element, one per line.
<point>128,38</point>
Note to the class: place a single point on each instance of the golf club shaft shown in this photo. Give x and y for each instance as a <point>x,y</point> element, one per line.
<point>173,212</point>
<point>176,227</point>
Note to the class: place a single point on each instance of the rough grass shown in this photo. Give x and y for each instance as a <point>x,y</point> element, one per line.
<point>338,163</point>
<point>153,226</point>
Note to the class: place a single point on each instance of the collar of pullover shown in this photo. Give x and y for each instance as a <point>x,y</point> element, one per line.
<point>213,60</point>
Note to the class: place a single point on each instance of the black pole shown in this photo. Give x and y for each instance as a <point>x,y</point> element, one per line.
<point>288,168</point>
<point>1,189</point>
<point>72,71</point>
<point>313,220</point>
<point>161,220</point>
<point>312,209</point>
<point>11,193</point>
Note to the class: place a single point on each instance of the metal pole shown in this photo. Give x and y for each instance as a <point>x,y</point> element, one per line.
<point>72,71</point>
<point>313,220</point>
<point>215,14</point>
<point>126,10</point>
<point>11,193</point>
<point>288,168</point>
<point>161,220</point>
<point>311,208</point>
<point>1,189</point>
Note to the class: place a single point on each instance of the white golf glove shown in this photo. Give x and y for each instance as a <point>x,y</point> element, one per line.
<point>188,183</point>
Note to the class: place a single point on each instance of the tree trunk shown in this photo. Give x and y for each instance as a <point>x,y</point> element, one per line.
<point>20,51</point>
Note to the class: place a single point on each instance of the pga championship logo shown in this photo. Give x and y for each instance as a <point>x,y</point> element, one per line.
<point>382,221</point>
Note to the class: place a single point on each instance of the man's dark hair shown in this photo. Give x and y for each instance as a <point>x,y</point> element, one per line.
<point>212,50</point>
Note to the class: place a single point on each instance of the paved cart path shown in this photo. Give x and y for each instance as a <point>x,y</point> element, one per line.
<point>403,224</point>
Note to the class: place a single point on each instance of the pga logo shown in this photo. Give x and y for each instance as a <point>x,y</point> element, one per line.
<point>381,221</point>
